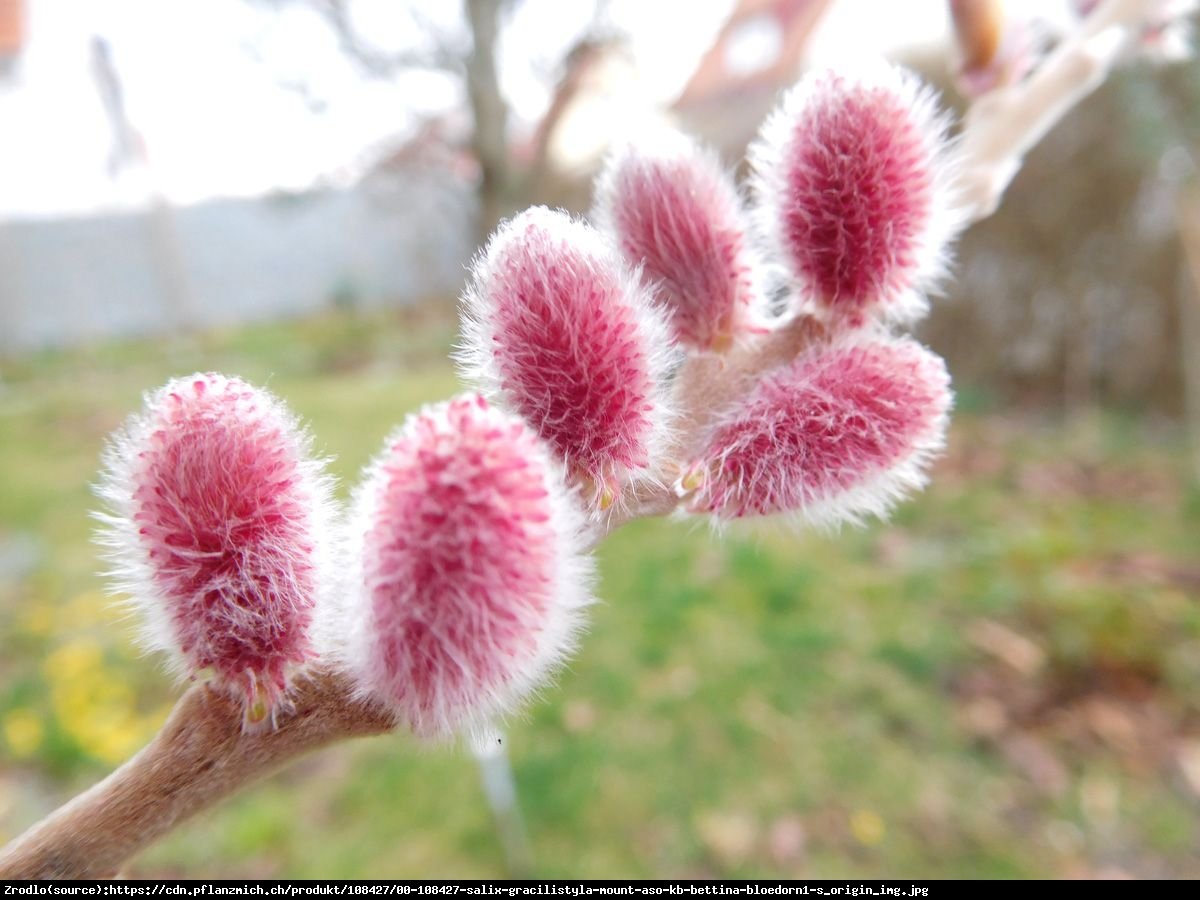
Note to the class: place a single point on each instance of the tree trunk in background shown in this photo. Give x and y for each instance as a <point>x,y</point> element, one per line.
<point>491,116</point>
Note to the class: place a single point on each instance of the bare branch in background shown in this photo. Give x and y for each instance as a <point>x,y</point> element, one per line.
<point>570,83</point>
<point>379,63</point>
<point>1003,125</point>
<point>490,113</point>
<point>371,60</point>
<point>504,182</point>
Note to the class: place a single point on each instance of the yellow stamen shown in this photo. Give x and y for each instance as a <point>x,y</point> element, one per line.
<point>256,711</point>
<point>722,342</point>
<point>607,496</point>
<point>693,480</point>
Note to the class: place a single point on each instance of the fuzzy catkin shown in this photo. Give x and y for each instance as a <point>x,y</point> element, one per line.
<point>674,211</point>
<point>560,331</point>
<point>218,530</point>
<point>470,574</point>
<point>853,193</point>
<point>842,432</point>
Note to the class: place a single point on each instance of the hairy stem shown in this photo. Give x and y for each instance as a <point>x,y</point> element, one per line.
<point>1004,125</point>
<point>200,757</point>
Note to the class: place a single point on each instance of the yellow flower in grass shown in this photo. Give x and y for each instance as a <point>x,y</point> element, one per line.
<point>91,608</point>
<point>23,732</point>
<point>93,704</point>
<point>868,827</point>
<point>37,620</point>
<point>109,733</point>
<point>78,657</point>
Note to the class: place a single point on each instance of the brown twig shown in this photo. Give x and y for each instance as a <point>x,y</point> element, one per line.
<point>200,757</point>
<point>978,31</point>
<point>1005,124</point>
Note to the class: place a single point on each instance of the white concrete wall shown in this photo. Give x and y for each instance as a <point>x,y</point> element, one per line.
<point>69,281</point>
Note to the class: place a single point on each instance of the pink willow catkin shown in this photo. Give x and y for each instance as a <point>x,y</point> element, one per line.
<point>217,532</point>
<point>851,178</point>
<point>471,575</point>
<point>557,329</point>
<point>841,432</point>
<point>468,571</point>
<point>673,210</point>
<point>852,190</point>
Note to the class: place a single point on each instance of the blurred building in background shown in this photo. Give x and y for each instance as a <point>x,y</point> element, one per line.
<point>78,279</point>
<point>110,252</point>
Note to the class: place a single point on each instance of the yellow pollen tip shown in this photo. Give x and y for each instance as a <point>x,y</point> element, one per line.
<point>256,712</point>
<point>722,342</point>
<point>693,480</point>
<point>607,497</point>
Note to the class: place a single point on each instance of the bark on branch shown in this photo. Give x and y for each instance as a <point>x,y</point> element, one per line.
<point>200,757</point>
<point>1002,126</point>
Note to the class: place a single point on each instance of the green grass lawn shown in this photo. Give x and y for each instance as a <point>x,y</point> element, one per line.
<point>1003,681</point>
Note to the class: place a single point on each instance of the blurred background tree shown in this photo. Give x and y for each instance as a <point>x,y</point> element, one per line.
<point>466,50</point>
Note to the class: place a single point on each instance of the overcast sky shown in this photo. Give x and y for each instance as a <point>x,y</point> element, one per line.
<point>206,83</point>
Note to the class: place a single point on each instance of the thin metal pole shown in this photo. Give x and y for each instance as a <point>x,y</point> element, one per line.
<point>500,788</point>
